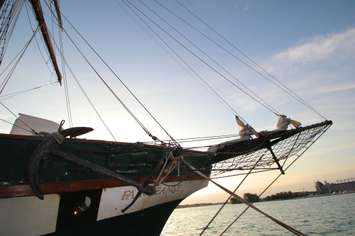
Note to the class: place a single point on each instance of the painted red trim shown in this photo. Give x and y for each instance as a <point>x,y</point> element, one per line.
<point>74,186</point>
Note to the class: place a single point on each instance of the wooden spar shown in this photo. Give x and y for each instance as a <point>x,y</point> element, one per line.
<point>1,3</point>
<point>36,5</point>
<point>275,159</point>
<point>59,15</point>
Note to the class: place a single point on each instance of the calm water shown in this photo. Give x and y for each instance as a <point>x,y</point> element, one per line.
<point>328,215</point>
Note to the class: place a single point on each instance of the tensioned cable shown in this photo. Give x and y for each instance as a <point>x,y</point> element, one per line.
<point>9,75</point>
<point>122,82</point>
<point>184,61</point>
<point>276,178</point>
<point>20,127</point>
<point>88,99</point>
<point>187,49</point>
<point>16,61</point>
<point>241,174</point>
<point>230,196</point>
<point>263,73</point>
<point>12,60</point>
<point>115,74</point>
<point>61,50</point>
<point>13,94</point>
<point>84,92</point>
<point>204,138</point>
<point>279,222</point>
<point>10,22</point>
<point>46,61</point>
<point>151,35</point>
<point>65,80</point>
<point>86,95</point>
<point>251,93</point>
<point>13,113</point>
<point>110,89</point>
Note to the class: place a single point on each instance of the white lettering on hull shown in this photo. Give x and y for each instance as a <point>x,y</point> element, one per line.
<point>114,200</point>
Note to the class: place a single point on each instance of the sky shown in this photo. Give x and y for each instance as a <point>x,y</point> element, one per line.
<point>308,45</point>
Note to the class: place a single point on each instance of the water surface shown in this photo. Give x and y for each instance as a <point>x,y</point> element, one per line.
<point>326,215</point>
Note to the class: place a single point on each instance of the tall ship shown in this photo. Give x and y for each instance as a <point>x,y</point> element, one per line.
<point>54,182</point>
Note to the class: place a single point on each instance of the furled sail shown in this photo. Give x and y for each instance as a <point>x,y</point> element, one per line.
<point>29,125</point>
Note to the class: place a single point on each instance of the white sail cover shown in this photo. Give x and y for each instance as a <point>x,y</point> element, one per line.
<point>24,123</point>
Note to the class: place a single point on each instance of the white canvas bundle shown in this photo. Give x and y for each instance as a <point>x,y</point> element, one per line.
<point>25,123</point>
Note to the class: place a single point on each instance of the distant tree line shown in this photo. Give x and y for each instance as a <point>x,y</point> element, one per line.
<point>285,195</point>
<point>251,197</point>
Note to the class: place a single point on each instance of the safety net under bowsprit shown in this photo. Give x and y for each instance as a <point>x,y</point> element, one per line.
<point>271,150</point>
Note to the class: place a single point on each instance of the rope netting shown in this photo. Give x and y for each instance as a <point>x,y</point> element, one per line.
<point>284,144</point>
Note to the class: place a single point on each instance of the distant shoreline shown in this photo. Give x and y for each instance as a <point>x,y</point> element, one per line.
<point>303,197</point>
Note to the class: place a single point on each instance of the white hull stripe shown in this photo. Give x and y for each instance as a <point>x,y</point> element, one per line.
<point>31,216</point>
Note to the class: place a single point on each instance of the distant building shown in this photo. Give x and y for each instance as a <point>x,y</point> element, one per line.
<point>346,185</point>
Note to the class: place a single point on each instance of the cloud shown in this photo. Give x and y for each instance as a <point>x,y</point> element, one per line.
<point>333,88</point>
<point>321,48</point>
<point>321,70</point>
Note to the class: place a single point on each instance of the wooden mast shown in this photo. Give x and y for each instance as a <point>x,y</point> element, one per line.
<point>59,15</point>
<point>43,27</point>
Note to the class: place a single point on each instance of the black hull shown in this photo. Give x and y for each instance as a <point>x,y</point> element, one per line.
<point>148,222</point>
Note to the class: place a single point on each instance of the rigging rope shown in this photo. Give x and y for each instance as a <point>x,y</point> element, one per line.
<point>262,71</point>
<point>84,93</point>
<point>250,92</point>
<point>206,138</point>
<point>15,61</point>
<point>191,52</point>
<point>46,61</point>
<point>20,127</point>
<point>241,174</point>
<point>65,80</point>
<point>110,89</point>
<point>230,196</point>
<point>13,113</point>
<point>277,177</point>
<point>121,81</point>
<point>124,84</point>
<point>196,56</point>
<point>184,62</point>
<point>63,72</point>
<point>287,227</point>
<point>13,94</point>
<point>8,17</point>
<point>89,100</point>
